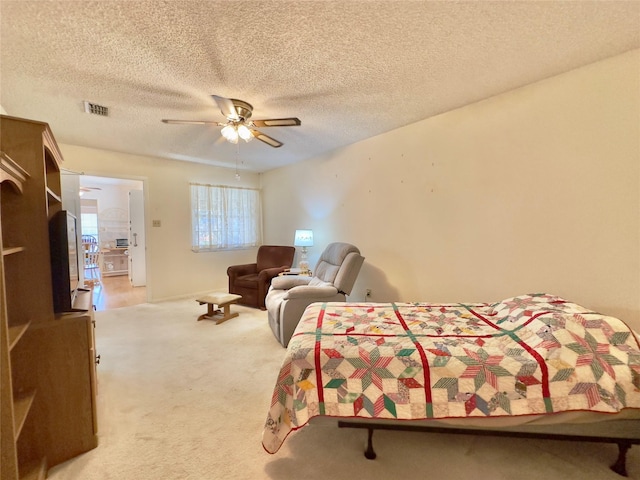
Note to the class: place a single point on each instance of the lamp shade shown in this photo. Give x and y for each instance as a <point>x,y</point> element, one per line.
<point>303,238</point>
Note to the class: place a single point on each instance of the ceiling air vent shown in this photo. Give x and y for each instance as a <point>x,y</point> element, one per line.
<point>96,109</point>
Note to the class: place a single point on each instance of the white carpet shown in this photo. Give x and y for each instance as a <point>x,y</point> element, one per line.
<point>181,399</point>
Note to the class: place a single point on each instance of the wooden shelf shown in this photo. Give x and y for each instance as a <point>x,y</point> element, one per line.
<point>15,333</point>
<point>53,197</point>
<point>36,470</point>
<point>21,406</point>
<point>11,250</point>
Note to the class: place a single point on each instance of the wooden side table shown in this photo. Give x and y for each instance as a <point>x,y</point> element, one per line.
<point>224,301</point>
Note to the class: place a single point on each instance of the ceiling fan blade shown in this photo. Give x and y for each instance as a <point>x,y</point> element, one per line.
<point>227,107</point>
<point>277,122</point>
<point>266,139</point>
<point>191,122</point>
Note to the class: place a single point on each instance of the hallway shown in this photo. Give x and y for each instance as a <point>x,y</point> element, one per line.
<point>116,291</point>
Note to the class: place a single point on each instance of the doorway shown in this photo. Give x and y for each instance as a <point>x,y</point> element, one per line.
<point>106,210</point>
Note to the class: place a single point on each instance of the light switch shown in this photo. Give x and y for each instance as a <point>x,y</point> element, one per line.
<point>156,223</point>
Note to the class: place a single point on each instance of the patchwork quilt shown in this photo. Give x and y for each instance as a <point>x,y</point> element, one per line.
<point>527,355</point>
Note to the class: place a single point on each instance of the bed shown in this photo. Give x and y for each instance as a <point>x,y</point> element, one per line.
<point>534,365</point>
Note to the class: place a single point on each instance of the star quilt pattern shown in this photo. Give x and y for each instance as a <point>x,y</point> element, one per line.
<point>527,355</point>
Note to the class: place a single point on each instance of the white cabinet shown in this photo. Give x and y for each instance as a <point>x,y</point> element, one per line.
<point>115,261</point>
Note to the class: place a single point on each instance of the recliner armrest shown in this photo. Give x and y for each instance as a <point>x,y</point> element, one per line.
<point>246,269</point>
<point>315,293</point>
<point>289,281</point>
<point>270,273</point>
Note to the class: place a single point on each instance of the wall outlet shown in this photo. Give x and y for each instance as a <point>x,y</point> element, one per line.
<point>156,223</point>
<point>368,293</point>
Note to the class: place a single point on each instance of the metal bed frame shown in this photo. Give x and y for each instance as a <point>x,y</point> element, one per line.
<point>624,433</point>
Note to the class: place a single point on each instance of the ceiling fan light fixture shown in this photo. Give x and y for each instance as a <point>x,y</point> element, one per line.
<point>239,125</point>
<point>244,133</point>
<point>230,133</point>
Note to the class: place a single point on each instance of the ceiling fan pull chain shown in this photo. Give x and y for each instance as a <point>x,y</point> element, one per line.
<point>237,157</point>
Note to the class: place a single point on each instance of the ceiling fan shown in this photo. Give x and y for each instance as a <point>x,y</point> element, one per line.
<point>84,190</point>
<point>239,125</point>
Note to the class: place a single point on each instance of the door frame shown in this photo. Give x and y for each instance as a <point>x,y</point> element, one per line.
<point>119,180</point>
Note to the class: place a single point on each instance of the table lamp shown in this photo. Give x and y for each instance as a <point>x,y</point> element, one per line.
<point>304,239</point>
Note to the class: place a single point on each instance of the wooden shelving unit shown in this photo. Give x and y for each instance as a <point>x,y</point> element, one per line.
<point>34,471</point>
<point>10,251</point>
<point>47,369</point>
<point>53,197</point>
<point>21,406</point>
<point>15,333</point>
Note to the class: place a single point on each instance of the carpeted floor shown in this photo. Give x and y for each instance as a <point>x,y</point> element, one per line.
<point>181,399</point>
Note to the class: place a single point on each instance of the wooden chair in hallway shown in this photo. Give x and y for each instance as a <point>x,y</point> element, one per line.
<point>89,239</point>
<point>92,272</point>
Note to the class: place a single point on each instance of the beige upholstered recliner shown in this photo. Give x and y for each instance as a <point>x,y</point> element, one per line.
<point>333,279</point>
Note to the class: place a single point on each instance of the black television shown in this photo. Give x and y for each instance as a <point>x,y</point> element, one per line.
<point>65,261</point>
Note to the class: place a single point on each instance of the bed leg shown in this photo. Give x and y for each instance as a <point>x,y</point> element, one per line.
<point>369,453</point>
<point>620,467</point>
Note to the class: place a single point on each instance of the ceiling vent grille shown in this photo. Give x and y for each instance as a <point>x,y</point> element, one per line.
<point>96,109</point>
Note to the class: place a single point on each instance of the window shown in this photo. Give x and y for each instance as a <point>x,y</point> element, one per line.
<point>224,218</point>
<point>89,217</point>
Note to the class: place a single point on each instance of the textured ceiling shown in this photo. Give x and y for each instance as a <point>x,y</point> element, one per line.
<point>349,70</point>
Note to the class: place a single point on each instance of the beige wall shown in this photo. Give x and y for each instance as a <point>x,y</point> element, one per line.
<point>535,190</point>
<point>173,270</point>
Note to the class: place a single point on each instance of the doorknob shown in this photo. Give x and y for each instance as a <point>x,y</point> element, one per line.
<point>135,239</point>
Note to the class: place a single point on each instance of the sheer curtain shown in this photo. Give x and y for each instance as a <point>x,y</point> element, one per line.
<point>224,218</point>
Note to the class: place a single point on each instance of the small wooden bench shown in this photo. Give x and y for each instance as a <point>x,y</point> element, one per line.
<point>223,300</point>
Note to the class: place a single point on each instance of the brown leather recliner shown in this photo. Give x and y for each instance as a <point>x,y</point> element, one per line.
<point>252,280</point>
